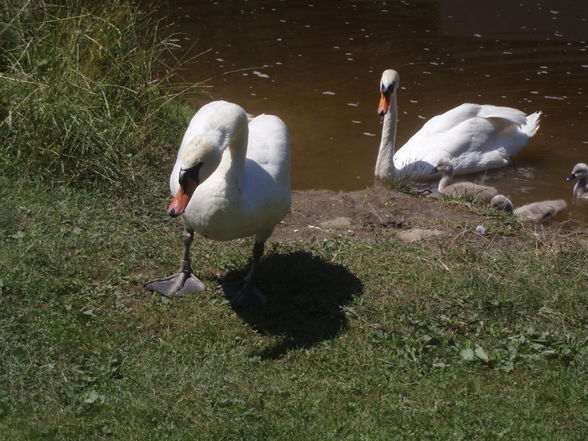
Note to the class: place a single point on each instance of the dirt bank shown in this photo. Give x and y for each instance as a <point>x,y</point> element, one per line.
<point>376,213</point>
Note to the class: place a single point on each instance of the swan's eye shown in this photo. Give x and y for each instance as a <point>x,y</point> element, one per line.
<point>387,90</point>
<point>190,173</point>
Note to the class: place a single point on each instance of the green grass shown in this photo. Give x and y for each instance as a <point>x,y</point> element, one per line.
<point>84,95</point>
<point>378,340</point>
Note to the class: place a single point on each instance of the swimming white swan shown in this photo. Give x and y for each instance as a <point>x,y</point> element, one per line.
<point>536,211</point>
<point>231,179</point>
<point>461,189</point>
<point>475,137</point>
<point>580,171</point>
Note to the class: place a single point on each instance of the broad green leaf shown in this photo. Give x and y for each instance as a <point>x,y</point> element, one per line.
<point>481,354</point>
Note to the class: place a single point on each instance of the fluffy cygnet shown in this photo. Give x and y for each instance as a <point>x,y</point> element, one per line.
<point>580,171</point>
<point>536,211</point>
<point>461,189</point>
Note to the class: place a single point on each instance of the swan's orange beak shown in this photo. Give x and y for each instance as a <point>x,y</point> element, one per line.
<point>384,104</point>
<point>180,201</point>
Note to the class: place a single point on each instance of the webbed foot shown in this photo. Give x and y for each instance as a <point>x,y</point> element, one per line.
<point>243,293</point>
<point>176,285</point>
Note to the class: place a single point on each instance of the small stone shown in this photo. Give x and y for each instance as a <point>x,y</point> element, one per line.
<point>337,223</point>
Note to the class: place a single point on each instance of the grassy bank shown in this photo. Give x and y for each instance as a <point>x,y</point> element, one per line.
<point>360,340</point>
<point>84,91</point>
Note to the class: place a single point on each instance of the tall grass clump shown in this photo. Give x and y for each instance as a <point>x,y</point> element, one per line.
<point>83,89</point>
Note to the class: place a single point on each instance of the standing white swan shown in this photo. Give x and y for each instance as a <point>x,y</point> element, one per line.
<point>475,137</point>
<point>580,172</point>
<point>231,179</point>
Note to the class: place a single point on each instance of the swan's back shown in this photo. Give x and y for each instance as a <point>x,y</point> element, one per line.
<point>541,211</point>
<point>469,190</point>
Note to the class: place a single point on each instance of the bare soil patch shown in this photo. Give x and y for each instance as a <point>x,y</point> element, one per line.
<point>378,212</point>
<point>319,214</point>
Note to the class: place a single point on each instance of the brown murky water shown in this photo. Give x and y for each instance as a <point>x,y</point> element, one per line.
<point>317,65</point>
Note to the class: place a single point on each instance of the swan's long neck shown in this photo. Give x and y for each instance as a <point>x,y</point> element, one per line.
<point>445,180</point>
<point>385,164</point>
<point>580,187</point>
<point>232,166</point>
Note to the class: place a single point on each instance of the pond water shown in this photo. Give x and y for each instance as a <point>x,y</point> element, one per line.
<point>317,65</point>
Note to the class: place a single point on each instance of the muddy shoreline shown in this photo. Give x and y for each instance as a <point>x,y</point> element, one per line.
<point>378,213</point>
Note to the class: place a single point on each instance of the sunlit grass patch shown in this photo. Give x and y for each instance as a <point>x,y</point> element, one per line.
<point>85,91</point>
<point>380,339</point>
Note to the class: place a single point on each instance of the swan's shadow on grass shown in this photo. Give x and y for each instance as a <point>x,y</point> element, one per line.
<point>305,296</point>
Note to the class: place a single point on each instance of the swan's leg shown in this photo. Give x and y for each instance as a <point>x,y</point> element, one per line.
<point>244,293</point>
<point>182,282</point>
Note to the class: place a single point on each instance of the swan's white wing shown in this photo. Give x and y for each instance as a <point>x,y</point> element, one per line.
<point>475,137</point>
<point>515,116</point>
<point>474,144</point>
<point>449,119</point>
<point>269,146</point>
<point>452,118</point>
<point>266,194</point>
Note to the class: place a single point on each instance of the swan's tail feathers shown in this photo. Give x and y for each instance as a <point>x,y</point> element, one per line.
<point>514,115</point>
<point>532,124</point>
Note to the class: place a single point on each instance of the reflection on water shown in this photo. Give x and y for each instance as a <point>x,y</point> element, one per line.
<point>317,65</point>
